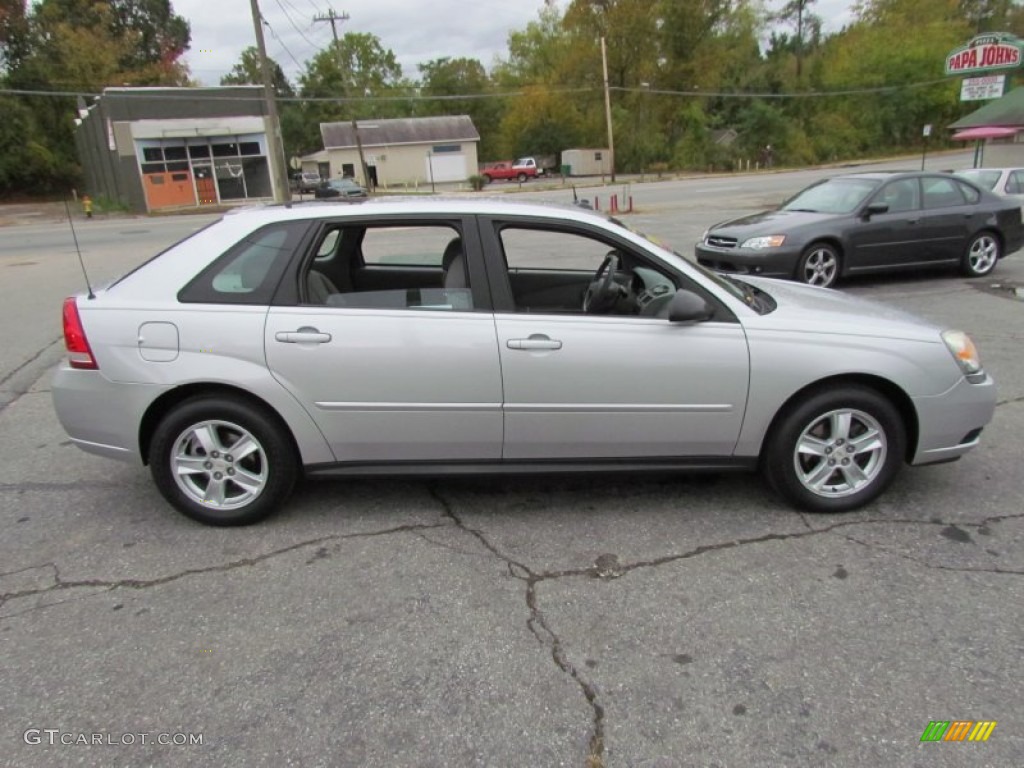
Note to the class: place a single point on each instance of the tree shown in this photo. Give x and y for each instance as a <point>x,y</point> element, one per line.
<point>462,77</point>
<point>795,12</point>
<point>247,71</point>
<point>13,33</point>
<point>353,71</point>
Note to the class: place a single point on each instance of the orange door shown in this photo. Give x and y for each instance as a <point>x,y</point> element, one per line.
<point>169,190</point>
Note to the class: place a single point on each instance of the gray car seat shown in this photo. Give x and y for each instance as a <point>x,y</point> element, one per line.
<point>453,263</point>
<point>319,287</point>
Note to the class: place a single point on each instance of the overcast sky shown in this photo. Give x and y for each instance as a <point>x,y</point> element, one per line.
<point>416,31</point>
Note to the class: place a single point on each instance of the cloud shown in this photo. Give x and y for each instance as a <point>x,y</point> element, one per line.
<point>416,32</point>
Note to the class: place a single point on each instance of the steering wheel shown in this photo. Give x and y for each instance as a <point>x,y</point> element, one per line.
<point>603,292</point>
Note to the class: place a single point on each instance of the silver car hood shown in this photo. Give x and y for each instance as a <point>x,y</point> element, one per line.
<point>811,309</point>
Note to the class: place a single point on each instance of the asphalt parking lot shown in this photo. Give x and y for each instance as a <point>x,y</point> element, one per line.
<point>609,621</point>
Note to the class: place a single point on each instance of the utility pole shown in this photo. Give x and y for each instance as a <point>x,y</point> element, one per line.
<point>275,145</point>
<point>333,18</point>
<point>608,108</point>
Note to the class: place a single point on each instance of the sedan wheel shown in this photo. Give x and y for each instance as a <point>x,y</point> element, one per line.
<point>222,462</point>
<point>981,256</point>
<point>819,266</point>
<point>837,450</point>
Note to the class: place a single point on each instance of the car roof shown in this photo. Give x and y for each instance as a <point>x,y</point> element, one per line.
<point>886,175</point>
<point>401,205</point>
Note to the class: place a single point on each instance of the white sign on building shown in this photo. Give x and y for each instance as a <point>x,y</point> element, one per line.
<point>982,88</point>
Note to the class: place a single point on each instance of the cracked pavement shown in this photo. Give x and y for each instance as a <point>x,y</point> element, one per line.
<point>604,621</point>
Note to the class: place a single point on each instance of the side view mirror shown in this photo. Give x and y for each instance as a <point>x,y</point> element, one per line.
<point>875,208</point>
<point>688,307</point>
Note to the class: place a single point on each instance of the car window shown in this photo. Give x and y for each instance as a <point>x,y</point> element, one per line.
<point>971,195</point>
<point>406,246</point>
<point>982,178</point>
<point>842,195</point>
<point>1015,184</point>
<point>249,272</point>
<point>901,195</point>
<point>556,271</point>
<point>941,192</point>
<point>420,267</point>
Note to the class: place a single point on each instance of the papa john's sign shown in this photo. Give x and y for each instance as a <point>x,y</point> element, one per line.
<point>985,53</point>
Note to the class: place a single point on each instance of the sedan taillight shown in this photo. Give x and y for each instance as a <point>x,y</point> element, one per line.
<point>79,353</point>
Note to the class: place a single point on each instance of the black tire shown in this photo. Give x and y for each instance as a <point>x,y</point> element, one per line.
<point>819,421</point>
<point>487,179</point>
<point>198,433</point>
<point>820,264</point>
<point>983,251</point>
<point>522,177</point>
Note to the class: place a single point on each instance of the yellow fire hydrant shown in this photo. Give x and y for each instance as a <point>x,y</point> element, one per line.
<point>87,206</point>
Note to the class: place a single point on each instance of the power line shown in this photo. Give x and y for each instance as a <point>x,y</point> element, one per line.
<point>281,43</point>
<point>294,25</point>
<point>190,93</point>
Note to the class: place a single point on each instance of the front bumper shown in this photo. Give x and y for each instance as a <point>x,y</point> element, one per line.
<point>768,262</point>
<point>951,423</point>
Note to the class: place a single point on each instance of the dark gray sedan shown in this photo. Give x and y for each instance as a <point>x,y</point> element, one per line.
<point>344,188</point>
<point>869,222</point>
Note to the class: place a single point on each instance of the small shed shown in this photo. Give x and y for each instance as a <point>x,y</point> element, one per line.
<point>587,162</point>
<point>998,129</point>
<point>406,151</point>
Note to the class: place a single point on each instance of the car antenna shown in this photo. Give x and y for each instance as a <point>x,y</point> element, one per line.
<point>77,249</point>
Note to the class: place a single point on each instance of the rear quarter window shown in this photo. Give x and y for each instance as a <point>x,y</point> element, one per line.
<point>249,271</point>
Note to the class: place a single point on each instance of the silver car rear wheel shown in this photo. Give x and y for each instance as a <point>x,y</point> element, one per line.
<point>836,449</point>
<point>222,460</point>
<point>819,265</point>
<point>219,464</point>
<point>982,255</point>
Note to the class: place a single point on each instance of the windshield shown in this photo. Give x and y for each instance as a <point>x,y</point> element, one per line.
<point>524,161</point>
<point>986,179</point>
<point>832,196</point>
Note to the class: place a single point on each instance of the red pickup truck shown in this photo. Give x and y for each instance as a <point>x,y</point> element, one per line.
<point>522,169</point>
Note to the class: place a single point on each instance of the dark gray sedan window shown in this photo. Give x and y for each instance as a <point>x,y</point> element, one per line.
<point>940,192</point>
<point>901,195</point>
<point>832,196</point>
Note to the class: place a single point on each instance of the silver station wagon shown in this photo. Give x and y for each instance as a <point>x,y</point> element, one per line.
<point>473,336</point>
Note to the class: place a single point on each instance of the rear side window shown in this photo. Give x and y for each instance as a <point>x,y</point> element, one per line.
<point>942,193</point>
<point>249,271</point>
<point>1015,184</point>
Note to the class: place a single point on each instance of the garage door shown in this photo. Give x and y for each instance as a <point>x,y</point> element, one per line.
<point>447,167</point>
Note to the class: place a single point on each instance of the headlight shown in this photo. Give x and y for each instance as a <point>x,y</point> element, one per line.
<point>963,350</point>
<point>704,237</point>
<point>768,241</point>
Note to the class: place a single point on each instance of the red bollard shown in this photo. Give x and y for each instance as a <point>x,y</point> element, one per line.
<point>630,203</point>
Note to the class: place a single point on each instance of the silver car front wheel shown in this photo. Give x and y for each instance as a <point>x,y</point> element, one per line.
<point>836,449</point>
<point>819,265</point>
<point>981,256</point>
<point>222,461</point>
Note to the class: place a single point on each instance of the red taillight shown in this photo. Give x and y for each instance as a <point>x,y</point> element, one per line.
<point>79,354</point>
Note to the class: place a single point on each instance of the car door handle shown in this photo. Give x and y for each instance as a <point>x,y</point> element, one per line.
<point>304,335</point>
<point>913,221</point>
<point>536,341</point>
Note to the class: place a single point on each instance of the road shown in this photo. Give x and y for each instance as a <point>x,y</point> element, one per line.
<point>611,621</point>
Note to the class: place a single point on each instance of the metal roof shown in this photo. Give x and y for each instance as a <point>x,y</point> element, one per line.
<point>1005,112</point>
<point>407,130</point>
